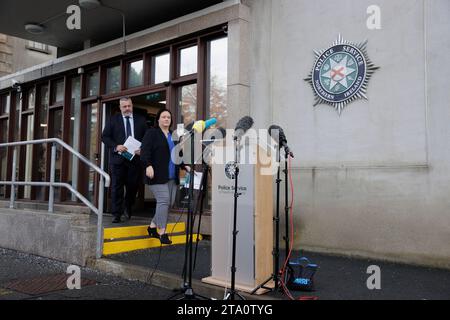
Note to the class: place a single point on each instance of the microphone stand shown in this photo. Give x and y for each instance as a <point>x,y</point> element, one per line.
<point>188,293</point>
<point>200,199</point>
<point>204,187</point>
<point>202,195</point>
<point>232,292</point>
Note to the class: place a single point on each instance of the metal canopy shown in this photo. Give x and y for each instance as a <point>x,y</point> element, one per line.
<point>98,25</point>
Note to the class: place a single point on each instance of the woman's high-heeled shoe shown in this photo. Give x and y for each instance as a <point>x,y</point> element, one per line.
<point>153,232</point>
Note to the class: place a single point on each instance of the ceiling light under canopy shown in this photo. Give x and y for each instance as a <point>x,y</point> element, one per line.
<point>34,28</point>
<point>89,4</point>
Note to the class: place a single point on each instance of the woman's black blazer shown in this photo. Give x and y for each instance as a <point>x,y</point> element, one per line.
<point>155,152</point>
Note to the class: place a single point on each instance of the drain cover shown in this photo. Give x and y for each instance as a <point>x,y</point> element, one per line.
<point>4,292</point>
<point>44,284</point>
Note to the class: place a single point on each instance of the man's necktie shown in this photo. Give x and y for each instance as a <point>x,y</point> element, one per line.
<point>128,126</point>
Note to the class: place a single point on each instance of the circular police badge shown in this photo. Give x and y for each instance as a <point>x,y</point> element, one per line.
<point>230,170</point>
<point>341,74</point>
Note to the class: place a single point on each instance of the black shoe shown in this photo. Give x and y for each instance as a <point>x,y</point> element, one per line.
<point>116,220</point>
<point>153,232</point>
<point>164,239</point>
<point>128,213</point>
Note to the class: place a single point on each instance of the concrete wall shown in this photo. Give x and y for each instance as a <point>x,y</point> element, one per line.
<point>65,237</point>
<point>23,57</point>
<point>15,56</point>
<point>374,181</point>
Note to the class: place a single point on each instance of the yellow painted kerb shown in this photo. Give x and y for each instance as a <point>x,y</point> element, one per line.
<point>140,244</point>
<point>139,231</point>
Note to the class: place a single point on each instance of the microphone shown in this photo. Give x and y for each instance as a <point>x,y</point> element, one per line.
<point>188,127</point>
<point>201,125</point>
<point>242,126</point>
<point>281,138</point>
<point>198,126</point>
<point>213,135</point>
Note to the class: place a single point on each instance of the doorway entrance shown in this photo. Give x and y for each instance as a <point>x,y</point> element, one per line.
<point>148,106</point>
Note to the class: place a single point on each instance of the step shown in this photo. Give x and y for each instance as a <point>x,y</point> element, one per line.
<point>116,247</point>
<point>139,231</point>
<point>164,280</point>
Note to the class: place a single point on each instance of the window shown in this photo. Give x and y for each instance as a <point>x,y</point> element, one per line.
<point>161,70</point>
<point>4,104</point>
<point>42,148</point>
<point>56,131</point>
<point>37,46</point>
<point>113,79</point>
<point>91,139</point>
<point>188,61</point>
<point>31,99</point>
<point>28,123</point>
<point>217,81</point>
<point>17,118</point>
<point>216,91</point>
<point>135,74</point>
<point>74,139</point>
<point>4,126</point>
<point>92,83</point>
<point>58,91</point>
<point>3,155</point>
<point>187,104</point>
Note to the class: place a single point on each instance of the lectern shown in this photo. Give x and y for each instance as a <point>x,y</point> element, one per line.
<point>254,243</point>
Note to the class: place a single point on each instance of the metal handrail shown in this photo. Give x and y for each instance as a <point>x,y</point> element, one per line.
<point>105,181</point>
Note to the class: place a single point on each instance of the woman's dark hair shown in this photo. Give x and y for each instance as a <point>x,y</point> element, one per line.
<point>158,115</point>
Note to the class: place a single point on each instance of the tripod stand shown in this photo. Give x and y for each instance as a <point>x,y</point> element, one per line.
<point>187,291</point>
<point>275,277</point>
<point>204,186</point>
<point>286,204</point>
<point>198,208</point>
<point>232,292</point>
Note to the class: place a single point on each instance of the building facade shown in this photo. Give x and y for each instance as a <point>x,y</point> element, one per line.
<point>371,180</point>
<point>17,54</point>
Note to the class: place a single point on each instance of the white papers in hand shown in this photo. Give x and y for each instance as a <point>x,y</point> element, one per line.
<point>132,146</point>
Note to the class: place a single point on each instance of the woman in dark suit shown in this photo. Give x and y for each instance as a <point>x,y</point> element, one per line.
<point>161,173</point>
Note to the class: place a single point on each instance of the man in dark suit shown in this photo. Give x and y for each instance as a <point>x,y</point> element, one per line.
<point>123,171</point>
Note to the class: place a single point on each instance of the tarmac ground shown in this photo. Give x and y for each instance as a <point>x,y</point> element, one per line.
<point>337,278</point>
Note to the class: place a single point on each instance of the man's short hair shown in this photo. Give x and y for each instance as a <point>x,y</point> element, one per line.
<point>125,99</point>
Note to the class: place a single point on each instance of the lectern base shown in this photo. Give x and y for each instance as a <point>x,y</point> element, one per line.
<point>242,288</point>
